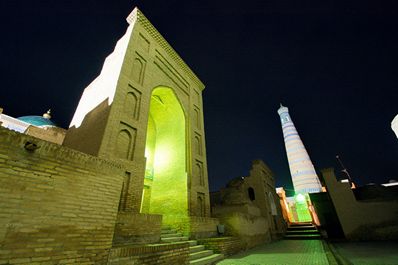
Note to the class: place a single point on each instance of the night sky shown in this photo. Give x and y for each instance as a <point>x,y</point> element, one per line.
<point>332,63</point>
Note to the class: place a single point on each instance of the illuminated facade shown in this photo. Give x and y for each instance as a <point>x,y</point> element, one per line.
<point>303,174</point>
<point>145,111</point>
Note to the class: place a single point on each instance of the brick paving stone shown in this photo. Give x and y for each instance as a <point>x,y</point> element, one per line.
<point>283,252</point>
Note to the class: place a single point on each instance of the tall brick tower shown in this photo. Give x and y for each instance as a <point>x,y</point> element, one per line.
<point>304,177</point>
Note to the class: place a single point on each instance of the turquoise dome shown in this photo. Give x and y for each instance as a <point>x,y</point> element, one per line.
<point>39,121</point>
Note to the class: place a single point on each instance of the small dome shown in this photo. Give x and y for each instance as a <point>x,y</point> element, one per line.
<point>38,121</point>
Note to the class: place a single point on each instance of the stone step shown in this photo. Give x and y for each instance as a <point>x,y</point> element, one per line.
<point>302,232</point>
<point>168,231</point>
<point>200,254</point>
<point>174,239</point>
<point>171,235</point>
<point>303,237</point>
<point>192,242</point>
<point>301,228</point>
<point>300,224</point>
<point>193,249</point>
<point>207,260</point>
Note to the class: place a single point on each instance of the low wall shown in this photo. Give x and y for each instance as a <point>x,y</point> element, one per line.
<point>225,245</point>
<point>362,220</point>
<point>134,228</point>
<point>57,205</point>
<point>167,254</point>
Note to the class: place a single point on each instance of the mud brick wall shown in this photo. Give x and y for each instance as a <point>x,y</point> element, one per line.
<point>165,254</point>
<point>56,205</point>
<point>225,245</point>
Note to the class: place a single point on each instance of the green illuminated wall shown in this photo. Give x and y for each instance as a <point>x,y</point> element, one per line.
<point>165,152</point>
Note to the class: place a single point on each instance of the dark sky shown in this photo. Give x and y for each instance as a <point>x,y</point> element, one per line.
<point>333,63</point>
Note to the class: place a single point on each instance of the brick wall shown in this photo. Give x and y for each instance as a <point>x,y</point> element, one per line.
<point>192,226</point>
<point>225,245</point>
<point>56,205</point>
<point>202,227</point>
<point>167,254</point>
<point>137,228</point>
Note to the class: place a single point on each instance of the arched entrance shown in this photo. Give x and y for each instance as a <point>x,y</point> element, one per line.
<point>165,191</point>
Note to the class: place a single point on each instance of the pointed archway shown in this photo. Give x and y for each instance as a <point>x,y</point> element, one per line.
<point>165,191</point>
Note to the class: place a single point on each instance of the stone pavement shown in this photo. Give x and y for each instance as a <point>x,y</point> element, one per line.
<point>283,252</point>
<point>367,253</point>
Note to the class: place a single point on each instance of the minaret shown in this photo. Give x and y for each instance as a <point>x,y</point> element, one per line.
<point>303,173</point>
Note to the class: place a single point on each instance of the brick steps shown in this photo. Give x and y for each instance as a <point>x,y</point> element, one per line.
<point>303,237</point>
<point>192,242</point>
<point>302,231</point>
<point>299,228</point>
<point>197,248</point>
<point>207,260</point>
<point>198,254</point>
<point>171,235</point>
<point>174,239</point>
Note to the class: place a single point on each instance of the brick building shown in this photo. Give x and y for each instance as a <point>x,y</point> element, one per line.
<point>133,161</point>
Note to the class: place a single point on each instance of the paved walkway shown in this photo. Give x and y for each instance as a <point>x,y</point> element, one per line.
<point>283,252</point>
<point>368,253</point>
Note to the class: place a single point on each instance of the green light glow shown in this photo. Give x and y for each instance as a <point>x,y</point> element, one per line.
<point>165,153</point>
<point>302,210</point>
<point>300,198</point>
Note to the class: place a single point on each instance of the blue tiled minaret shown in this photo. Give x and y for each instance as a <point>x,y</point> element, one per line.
<point>304,177</point>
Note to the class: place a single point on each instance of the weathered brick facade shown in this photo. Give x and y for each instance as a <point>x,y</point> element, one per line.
<point>162,254</point>
<point>112,120</point>
<point>57,205</point>
<point>249,207</point>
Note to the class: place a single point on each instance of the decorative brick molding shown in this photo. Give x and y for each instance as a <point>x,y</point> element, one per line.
<point>145,23</point>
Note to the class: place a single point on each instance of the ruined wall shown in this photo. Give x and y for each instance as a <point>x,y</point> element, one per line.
<point>57,205</point>
<point>366,220</point>
<point>249,207</point>
<point>261,180</point>
<point>253,230</point>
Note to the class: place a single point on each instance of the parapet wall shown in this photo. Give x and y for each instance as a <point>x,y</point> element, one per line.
<point>57,205</point>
